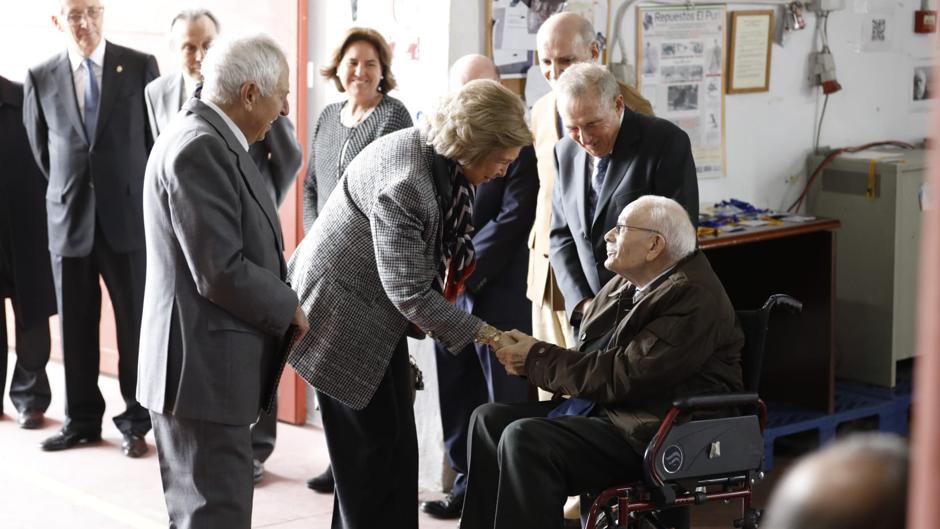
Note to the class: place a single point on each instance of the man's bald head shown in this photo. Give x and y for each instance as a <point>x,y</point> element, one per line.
<point>470,68</point>
<point>856,483</point>
<point>565,39</point>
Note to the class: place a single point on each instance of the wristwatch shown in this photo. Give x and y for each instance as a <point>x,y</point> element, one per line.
<point>488,335</point>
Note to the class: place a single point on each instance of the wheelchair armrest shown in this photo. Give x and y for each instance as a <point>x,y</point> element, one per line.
<point>716,401</point>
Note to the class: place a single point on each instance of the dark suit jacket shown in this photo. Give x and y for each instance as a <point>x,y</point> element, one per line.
<point>216,304</point>
<point>681,339</point>
<point>91,177</point>
<point>503,212</point>
<point>23,213</point>
<point>651,156</point>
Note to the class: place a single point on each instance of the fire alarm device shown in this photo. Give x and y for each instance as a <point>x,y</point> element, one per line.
<point>925,20</point>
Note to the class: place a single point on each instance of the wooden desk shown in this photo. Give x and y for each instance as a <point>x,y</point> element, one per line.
<point>796,259</point>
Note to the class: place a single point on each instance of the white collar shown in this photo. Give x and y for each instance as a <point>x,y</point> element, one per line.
<point>228,121</point>
<point>97,56</point>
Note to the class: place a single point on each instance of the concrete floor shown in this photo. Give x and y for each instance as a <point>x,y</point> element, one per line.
<point>97,487</point>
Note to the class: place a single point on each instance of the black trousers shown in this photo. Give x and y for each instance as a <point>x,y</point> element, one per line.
<point>29,387</point>
<point>78,294</point>
<point>465,381</point>
<point>374,453</point>
<point>523,465</point>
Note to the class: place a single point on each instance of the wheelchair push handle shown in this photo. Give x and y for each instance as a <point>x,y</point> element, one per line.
<point>783,300</point>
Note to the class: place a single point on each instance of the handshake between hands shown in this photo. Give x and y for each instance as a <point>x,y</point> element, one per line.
<point>512,348</point>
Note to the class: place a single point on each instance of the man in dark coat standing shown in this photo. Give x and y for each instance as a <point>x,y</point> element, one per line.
<point>87,123</point>
<point>25,275</point>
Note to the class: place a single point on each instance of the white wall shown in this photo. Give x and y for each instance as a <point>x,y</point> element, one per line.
<point>768,135</point>
<point>420,81</point>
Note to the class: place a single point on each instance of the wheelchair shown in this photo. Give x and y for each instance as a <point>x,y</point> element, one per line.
<point>700,461</point>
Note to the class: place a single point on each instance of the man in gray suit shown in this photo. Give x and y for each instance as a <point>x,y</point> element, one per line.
<point>277,156</point>
<point>610,157</point>
<point>216,307</point>
<point>87,125</point>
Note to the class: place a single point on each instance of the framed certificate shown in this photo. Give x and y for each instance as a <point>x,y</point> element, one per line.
<point>749,58</point>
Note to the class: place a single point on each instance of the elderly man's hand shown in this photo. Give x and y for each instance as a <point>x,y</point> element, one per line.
<point>514,352</point>
<point>300,321</point>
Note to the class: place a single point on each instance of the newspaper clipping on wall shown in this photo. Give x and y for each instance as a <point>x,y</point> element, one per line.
<point>680,70</point>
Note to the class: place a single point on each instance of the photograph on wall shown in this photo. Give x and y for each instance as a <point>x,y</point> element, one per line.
<point>919,90</point>
<point>680,70</point>
<point>515,23</point>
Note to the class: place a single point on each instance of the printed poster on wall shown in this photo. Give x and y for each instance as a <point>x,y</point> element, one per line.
<point>680,70</point>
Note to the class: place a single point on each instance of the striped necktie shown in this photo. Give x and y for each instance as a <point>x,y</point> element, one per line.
<point>597,182</point>
<point>91,101</point>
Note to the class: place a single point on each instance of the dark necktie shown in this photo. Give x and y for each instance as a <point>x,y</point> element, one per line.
<point>91,101</point>
<point>597,183</point>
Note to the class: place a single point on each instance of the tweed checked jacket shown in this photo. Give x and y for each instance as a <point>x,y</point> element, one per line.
<point>367,267</point>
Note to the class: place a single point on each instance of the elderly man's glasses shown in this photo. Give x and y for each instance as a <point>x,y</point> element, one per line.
<point>92,13</point>
<point>621,227</point>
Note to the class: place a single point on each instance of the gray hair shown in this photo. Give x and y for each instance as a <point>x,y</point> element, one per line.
<point>192,15</point>
<point>858,481</point>
<point>671,220</point>
<point>230,63</point>
<point>469,124</point>
<point>587,79</point>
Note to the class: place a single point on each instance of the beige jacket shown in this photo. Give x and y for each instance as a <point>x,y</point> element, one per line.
<point>540,285</point>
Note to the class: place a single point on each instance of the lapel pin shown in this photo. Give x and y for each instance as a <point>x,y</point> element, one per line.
<point>119,68</point>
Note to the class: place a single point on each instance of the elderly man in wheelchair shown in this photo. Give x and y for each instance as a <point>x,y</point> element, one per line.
<point>662,331</point>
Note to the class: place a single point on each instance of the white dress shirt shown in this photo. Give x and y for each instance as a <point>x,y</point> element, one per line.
<point>228,121</point>
<point>78,73</point>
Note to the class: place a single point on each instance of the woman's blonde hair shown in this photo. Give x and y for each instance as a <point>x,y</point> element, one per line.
<point>480,118</point>
<point>370,36</point>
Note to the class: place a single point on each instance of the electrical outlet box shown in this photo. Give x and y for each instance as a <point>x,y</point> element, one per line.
<point>827,5</point>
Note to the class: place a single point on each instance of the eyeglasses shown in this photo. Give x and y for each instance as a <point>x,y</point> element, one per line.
<point>621,227</point>
<point>92,13</point>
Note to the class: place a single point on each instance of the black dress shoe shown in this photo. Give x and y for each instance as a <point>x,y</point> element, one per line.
<point>66,439</point>
<point>133,445</point>
<point>324,482</point>
<point>446,509</point>
<point>30,419</point>
<point>257,469</point>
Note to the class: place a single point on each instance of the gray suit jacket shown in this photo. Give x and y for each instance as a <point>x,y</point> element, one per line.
<point>366,269</point>
<point>651,156</point>
<point>215,305</point>
<point>98,177</point>
<point>277,156</point>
